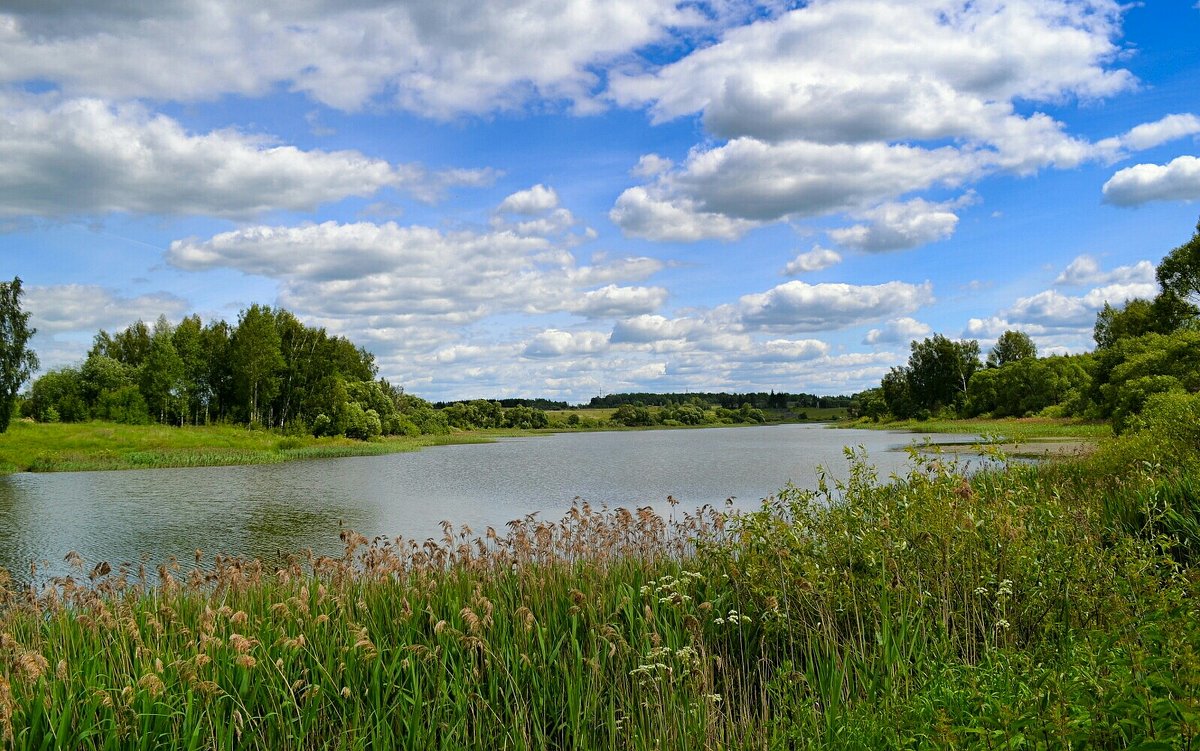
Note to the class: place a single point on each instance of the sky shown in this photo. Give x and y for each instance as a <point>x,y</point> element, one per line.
<point>567,198</point>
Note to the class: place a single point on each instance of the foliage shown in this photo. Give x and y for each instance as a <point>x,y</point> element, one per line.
<point>935,378</point>
<point>1178,273</point>
<point>17,360</point>
<point>1029,385</point>
<point>1012,346</point>
<point>1128,372</point>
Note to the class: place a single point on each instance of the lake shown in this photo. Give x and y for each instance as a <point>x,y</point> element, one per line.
<point>150,515</point>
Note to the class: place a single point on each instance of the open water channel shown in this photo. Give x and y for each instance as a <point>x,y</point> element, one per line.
<point>149,515</point>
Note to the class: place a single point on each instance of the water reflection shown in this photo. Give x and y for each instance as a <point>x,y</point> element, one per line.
<point>264,510</point>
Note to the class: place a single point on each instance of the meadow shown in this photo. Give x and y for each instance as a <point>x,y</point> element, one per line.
<point>1043,606</point>
<point>96,445</point>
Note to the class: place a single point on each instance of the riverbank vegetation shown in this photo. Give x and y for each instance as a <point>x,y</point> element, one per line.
<point>1031,607</point>
<point>75,447</point>
<point>1143,348</point>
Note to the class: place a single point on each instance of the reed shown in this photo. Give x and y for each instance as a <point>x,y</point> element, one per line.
<point>1018,608</point>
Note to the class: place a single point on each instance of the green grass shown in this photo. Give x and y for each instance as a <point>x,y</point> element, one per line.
<point>1004,429</point>
<point>1048,606</point>
<point>56,447</point>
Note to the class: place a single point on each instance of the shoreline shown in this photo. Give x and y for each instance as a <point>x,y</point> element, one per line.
<point>102,446</point>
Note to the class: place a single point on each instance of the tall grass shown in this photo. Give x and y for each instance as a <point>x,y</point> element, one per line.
<point>1030,607</point>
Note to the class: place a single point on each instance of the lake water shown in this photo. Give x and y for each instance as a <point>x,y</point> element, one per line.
<point>149,515</point>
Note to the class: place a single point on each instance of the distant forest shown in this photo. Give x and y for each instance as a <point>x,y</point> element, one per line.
<point>757,400</point>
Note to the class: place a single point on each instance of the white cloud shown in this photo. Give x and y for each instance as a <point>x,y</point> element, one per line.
<point>844,105</point>
<point>795,349</point>
<point>530,202</point>
<point>86,308</point>
<point>82,156</point>
<point>898,331</point>
<point>797,306</point>
<point>872,70</point>
<point>1053,309</point>
<point>1085,270</point>
<point>640,214</point>
<point>66,317</point>
<point>1178,180</point>
<point>435,59</point>
<point>612,301</point>
<point>557,343</point>
<point>652,328</point>
<point>1169,128</point>
<point>894,226</point>
<point>816,259</point>
<point>393,275</point>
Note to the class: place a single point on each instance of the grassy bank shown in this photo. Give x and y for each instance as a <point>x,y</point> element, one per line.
<point>1038,607</point>
<point>1001,429</point>
<point>59,447</point>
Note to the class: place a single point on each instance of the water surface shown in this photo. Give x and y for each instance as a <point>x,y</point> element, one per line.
<point>150,515</point>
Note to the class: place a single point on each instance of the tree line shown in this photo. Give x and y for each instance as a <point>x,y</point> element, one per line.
<point>777,400</point>
<point>267,370</point>
<point>1143,347</point>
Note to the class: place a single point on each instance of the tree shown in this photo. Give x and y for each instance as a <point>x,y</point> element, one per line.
<point>1136,318</point>
<point>161,374</point>
<point>17,360</point>
<point>1011,347</point>
<point>256,358</point>
<point>1179,272</point>
<point>939,371</point>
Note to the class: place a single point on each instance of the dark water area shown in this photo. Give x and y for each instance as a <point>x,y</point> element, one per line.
<point>150,515</point>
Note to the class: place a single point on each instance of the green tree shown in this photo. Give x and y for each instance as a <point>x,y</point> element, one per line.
<point>1011,347</point>
<point>161,374</point>
<point>256,360</point>
<point>939,371</point>
<point>58,397</point>
<point>17,360</point>
<point>1135,318</point>
<point>1179,272</point>
<point>188,339</point>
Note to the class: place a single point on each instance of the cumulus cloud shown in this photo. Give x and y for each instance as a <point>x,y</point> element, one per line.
<point>557,343</point>
<point>928,70</point>
<point>1178,180</point>
<point>638,212</point>
<point>797,306</point>
<point>66,317</point>
<point>1149,135</point>
<point>435,59</point>
<point>898,331</point>
<point>652,328</point>
<point>1053,309</point>
<point>816,259</point>
<point>394,274</point>
<point>795,349</point>
<point>893,226</point>
<point>924,96</point>
<point>86,308</point>
<point>82,156</point>
<point>535,200</point>
<point>1085,270</point>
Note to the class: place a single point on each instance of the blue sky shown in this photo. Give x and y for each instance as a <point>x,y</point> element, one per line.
<point>578,197</point>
